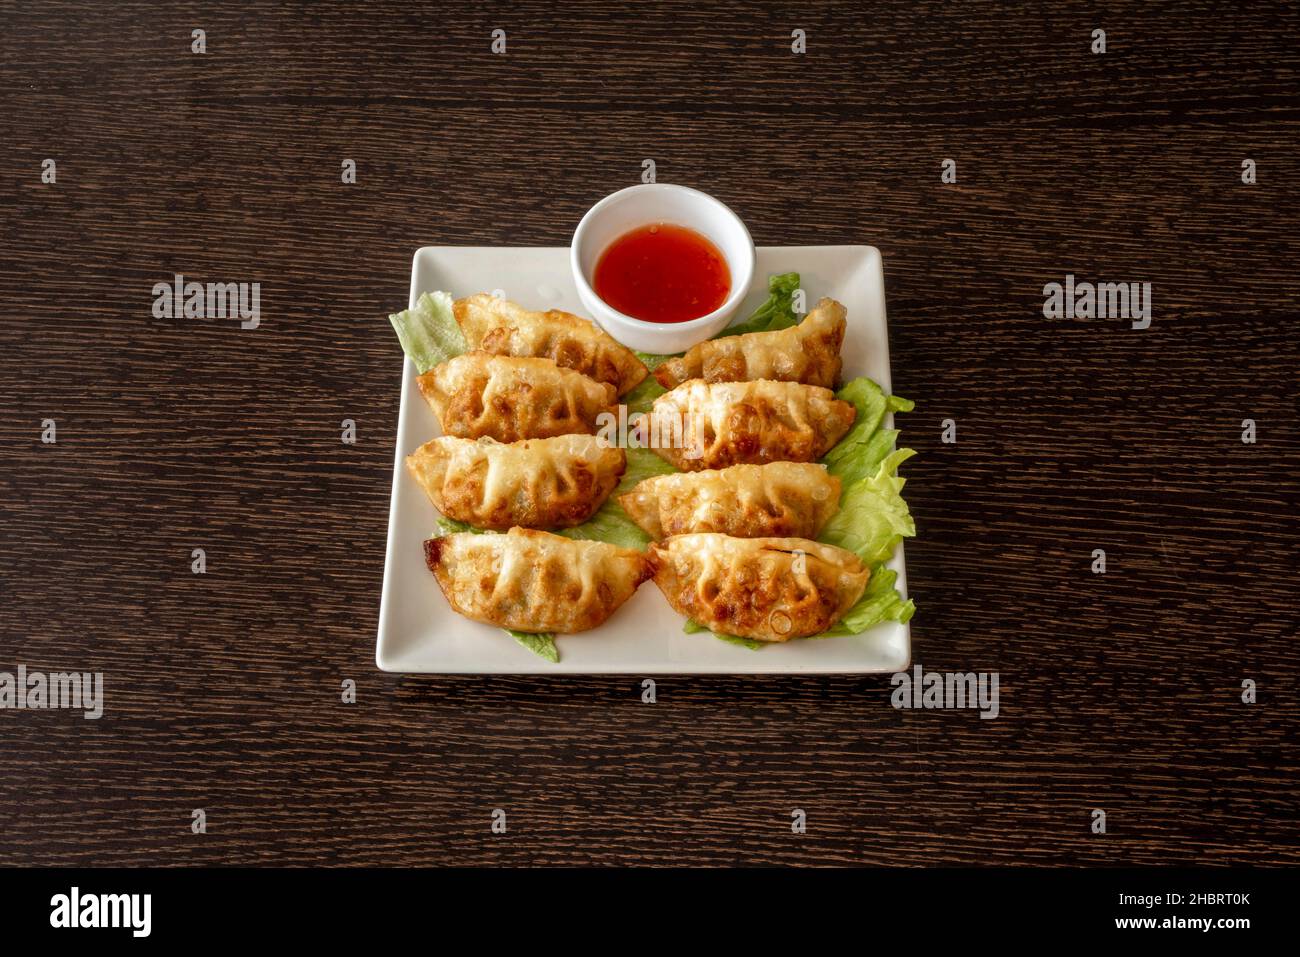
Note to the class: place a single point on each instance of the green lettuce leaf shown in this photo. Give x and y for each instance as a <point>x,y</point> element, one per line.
<point>428,333</point>
<point>873,517</point>
<point>610,523</point>
<point>640,399</point>
<point>692,626</point>
<point>541,644</point>
<point>861,451</point>
<point>450,526</point>
<point>776,313</point>
<point>652,361</point>
<point>880,602</point>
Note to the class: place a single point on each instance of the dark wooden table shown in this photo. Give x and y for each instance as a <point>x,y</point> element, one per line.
<point>1120,692</point>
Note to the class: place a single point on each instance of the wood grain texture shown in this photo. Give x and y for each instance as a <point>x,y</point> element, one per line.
<point>1119,692</point>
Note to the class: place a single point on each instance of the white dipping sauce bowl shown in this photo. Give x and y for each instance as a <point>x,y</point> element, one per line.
<point>645,205</point>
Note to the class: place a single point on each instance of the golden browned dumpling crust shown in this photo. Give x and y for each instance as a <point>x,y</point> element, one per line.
<point>807,353</point>
<point>534,581</point>
<point>536,483</point>
<point>783,499</point>
<point>768,589</point>
<point>711,425</point>
<point>509,399</point>
<point>507,329</point>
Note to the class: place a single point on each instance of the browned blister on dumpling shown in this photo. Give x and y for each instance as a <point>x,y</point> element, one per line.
<point>509,398</point>
<point>534,581</point>
<point>710,425</point>
<point>807,353</point>
<point>507,329</point>
<point>783,499</point>
<point>768,589</point>
<point>536,483</point>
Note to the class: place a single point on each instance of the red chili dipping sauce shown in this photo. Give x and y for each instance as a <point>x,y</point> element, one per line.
<point>662,273</point>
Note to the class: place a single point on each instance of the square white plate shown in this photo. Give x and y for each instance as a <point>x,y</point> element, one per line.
<point>418,631</point>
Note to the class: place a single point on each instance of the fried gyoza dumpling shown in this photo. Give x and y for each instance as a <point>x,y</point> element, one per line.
<point>537,483</point>
<point>710,425</point>
<point>768,589</point>
<point>509,398</point>
<point>785,499</point>
<point>506,329</point>
<point>534,581</point>
<point>807,353</point>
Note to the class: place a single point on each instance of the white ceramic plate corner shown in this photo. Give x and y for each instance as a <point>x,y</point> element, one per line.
<point>418,631</point>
